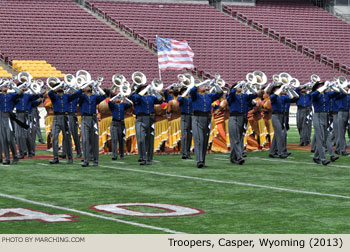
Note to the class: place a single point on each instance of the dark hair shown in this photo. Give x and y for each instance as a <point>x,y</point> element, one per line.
<point>107,91</point>
<point>316,86</point>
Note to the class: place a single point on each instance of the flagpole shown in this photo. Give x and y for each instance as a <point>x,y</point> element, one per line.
<point>160,75</point>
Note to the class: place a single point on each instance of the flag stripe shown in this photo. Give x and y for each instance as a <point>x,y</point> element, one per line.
<point>173,54</point>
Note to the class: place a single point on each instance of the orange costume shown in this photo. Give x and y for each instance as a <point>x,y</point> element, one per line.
<point>104,127</point>
<point>161,126</point>
<point>220,116</point>
<point>174,124</point>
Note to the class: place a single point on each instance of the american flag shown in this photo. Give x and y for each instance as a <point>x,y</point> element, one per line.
<point>174,55</point>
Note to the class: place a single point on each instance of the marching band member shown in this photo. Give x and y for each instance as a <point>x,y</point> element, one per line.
<point>174,113</point>
<point>278,143</point>
<point>144,125</point>
<point>35,121</point>
<point>161,127</point>
<point>238,105</point>
<point>303,111</point>
<point>186,124</point>
<point>118,107</point>
<point>60,102</point>
<point>201,103</point>
<point>105,139</point>
<point>89,124</point>
<point>267,115</point>
<point>320,100</point>
<point>24,136</point>
<point>343,102</point>
<point>48,120</point>
<point>73,124</point>
<point>333,128</point>
<point>7,103</point>
<point>220,115</point>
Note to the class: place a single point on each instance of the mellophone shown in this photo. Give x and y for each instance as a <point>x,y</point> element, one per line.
<point>254,81</point>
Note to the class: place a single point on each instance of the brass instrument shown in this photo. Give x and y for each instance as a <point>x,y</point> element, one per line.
<point>53,83</point>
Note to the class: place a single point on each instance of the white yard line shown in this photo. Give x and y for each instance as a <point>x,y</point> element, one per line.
<point>89,214</point>
<point>228,182</point>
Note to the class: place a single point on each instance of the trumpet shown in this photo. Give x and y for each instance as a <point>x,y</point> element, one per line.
<point>314,78</point>
<point>125,91</point>
<point>218,84</point>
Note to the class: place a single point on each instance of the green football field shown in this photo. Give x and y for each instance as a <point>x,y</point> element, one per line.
<point>264,195</point>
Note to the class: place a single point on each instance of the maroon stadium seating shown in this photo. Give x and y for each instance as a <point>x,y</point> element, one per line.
<point>220,43</point>
<point>69,38</point>
<point>318,32</point>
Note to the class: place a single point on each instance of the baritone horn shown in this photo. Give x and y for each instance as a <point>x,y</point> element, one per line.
<point>139,78</point>
<point>53,83</point>
<point>117,81</point>
<point>82,77</point>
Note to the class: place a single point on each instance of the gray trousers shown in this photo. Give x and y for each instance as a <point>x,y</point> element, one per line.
<point>334,135</point>
<point>320,121</point>
<point>118,138</point>
<point>8,136</point>
<point>186,134</point>
<point>304,127</point>
<point>73,125</point>
<point>277,145</point>
<point>24,136</point>
<point>90,137</point>
<point>144,127</point>
<point>343,117</point>
<point>235,129</point>
<point>60,123</point>
<point>201,130</point>
<point>36,124</point>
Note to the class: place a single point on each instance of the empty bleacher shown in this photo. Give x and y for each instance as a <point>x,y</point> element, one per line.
<point>70,39</point>
<point>314,29</point>
<point>220,43</point>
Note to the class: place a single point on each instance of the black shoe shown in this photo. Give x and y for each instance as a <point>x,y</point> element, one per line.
<point>233,161</point>
<point>62,156</point>
<point>184,157</point>
<point>345,153</point>
<point>283,156</point>
<point>337,152</point>
<point>326,162</point>
<point>114,158</point>
<point>312,151</point>
<point>149,162</point>
<point>41,141</point>
<point>240,161</point>
<point>273,156</point>
<point>15,161</point>
<point>85,164</point>
<point>79,155</point>
<point>55,161</point>
<point>21,156</point>
<point>244,155</point>
<point>334,158</point>
<point>200,165</point>
<point>70,161</point>
<point>287,153</point>
<point>142,162</point>
<point>6,162</point>
<point>301,144</point>
<point>139,160</point>
<point>122,157</point>
<point>317,161</point>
